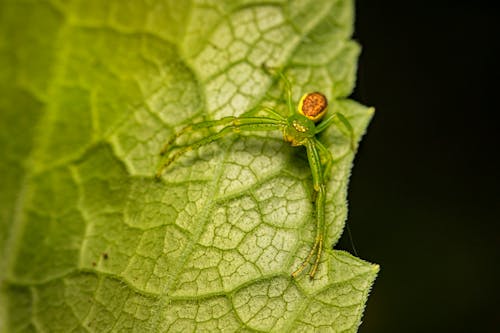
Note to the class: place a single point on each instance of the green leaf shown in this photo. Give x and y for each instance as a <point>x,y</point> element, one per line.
<point>90,241</point>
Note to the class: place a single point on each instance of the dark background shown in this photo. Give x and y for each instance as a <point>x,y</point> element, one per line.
<point>424,194</point>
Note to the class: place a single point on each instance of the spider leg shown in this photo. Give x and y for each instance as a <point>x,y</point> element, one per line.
<point>288,86</point>
<point>320,188</point>
<point>289,99</point>
<point>338,117</point>
<point>205,124</point>
<point>266,109</point>
<point>236,124</point>
<point>169,145</point>
<point>327,159</point>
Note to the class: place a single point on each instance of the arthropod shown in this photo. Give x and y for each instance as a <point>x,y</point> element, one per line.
<point>299,128</point>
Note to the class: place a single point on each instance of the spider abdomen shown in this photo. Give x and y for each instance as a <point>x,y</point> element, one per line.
<point>313,106</point>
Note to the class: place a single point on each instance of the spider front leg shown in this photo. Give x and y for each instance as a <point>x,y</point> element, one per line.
<point>169,145</point>
<point>232,124</point>
<point>194,127</point>
<point>320,190</point>
<point>326,160</point>
<point>326,164</point>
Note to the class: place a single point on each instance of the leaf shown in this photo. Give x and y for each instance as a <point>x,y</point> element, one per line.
<point>91,241</point>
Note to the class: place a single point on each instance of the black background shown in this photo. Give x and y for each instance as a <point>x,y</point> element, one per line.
<point>424,193</point>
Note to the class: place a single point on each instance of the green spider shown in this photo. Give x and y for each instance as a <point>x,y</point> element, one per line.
<point>299,129</point>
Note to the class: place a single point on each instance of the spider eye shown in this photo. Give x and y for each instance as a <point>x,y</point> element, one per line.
<point>313,106</point>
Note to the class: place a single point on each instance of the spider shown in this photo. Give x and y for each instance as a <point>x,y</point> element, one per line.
<point>300,128</point>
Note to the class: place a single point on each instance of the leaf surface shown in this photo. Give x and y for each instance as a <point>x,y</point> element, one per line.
<point>90,241</point>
